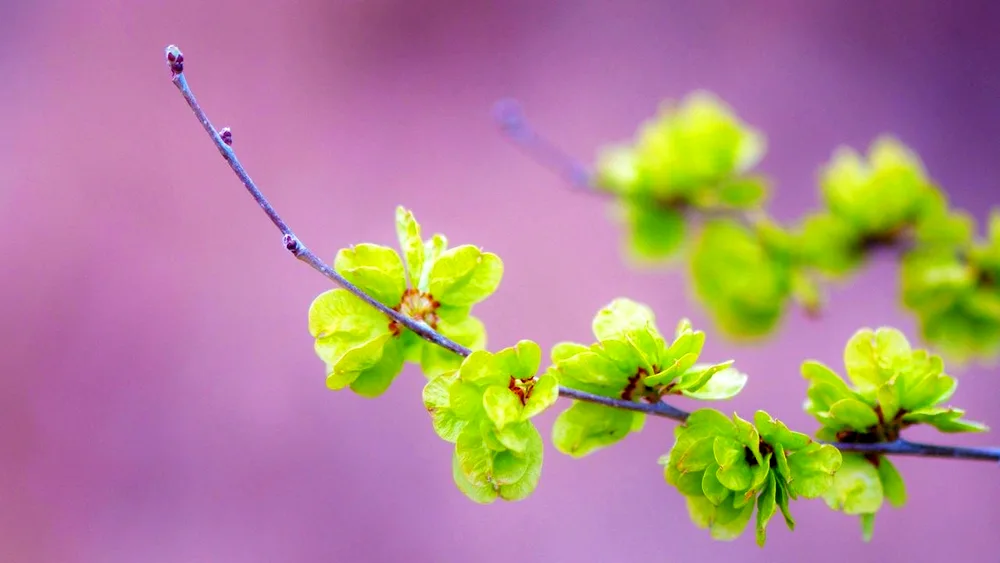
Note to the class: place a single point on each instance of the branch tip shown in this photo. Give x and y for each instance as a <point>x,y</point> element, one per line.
<point>175,60</point>
<point>509,115</point>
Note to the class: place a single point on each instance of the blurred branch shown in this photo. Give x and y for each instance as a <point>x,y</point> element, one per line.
<point>223,140</point>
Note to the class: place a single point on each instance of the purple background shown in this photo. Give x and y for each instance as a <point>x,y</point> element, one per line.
<point>160,398</point>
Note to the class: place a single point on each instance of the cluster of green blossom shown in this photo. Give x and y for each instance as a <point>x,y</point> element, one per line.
<point>892,387</point>
<point>437,286</point>
<point>696,158</point>
<point>956,294</point>
<point>631,361</point>
<point>724,467</point>
<point>485,409</point>
<point>695,155</point>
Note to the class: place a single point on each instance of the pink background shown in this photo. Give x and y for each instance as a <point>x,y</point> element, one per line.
<point>159,397</point>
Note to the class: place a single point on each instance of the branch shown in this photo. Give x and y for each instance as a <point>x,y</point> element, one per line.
<point>223,141</point>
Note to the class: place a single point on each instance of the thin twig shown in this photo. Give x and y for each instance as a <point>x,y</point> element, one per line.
<point>223,141</point>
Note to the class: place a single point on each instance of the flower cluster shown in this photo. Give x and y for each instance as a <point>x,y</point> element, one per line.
<point>694,155</point>
<point>726,466</point>
<point>485,409</point>
<point>631,361</point>
<point>956,295</point>
<point>892,387</point>
<point>437,286</point>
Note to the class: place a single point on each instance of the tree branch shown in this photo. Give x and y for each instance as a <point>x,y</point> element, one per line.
<point>223,141</point>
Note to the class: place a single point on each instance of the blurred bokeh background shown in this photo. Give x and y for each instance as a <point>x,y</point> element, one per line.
<point>159,396</point>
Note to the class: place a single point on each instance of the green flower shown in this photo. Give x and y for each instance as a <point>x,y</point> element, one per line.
<point>744,278</point>
<point>695,155</point>
<point>485,409</point>
<point>631,361</point>
<point>892,387</point>
<point>957,298</point>
<point>881,197</point>
<point>724,467</point>
<point>437,286</point>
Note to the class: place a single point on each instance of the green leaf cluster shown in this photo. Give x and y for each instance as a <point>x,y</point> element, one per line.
<point>692,155</point>
<point>432,284</point>
<point>727,466</point>
<point>745,275</point>
<point>956,295</point>
<point>485,408</point>
<point>892,387</point>
<point>631,360</point>
<point>883,200</point>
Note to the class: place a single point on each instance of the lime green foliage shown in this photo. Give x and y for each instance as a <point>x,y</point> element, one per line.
<point>956,297</point>
<point>881,201</point>
<point>744,277</point>
<point>485,409</point>
<point>892,387</point>
<point>724,467</point>
<point>632,361</point>
<point>436,285</point>
<point>695,155</point>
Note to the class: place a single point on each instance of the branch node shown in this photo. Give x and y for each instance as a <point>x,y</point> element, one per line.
<point>292,244</point>
<point>175,60</point>
<point>227,136</point>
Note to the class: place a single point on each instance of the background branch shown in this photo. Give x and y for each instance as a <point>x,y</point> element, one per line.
<point>580,177</point>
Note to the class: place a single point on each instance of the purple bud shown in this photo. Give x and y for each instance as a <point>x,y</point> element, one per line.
<point>175,60</point>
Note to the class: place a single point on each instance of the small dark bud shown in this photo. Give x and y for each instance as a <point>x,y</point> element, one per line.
<point>291,243</point>
<point>175,60</point>
<point>227,136</point>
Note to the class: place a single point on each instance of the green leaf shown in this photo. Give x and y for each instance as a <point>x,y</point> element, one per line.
<point>774,432</point>
<point>475,459</point>
<point>532,457</point>
<point>375,380</point>
<point>711,487</point>
<point>734,471</point>
<point>944,419</point>
<point>725,384</point>
<point>724,522</point>
<point>856,487</point>
<point>465,399</point>
<point>813,469</point>
<point>340,321</point>
<point>854,414</point>
<point>465,275</point>
<point>502,405</point>
<point>543,395</point>
<point>743,193</point>
<point>586,427</point>
<point>481,493</point>
<point>356,361</point>
<point>781,499</point>
<point>408,232</point>
<point>480,369</point>
<point>892,482</point>
<point>517,436</point>
<point>433,249</point>
<point>655,232</point>
<point>766,507</point>
<point>437,402</point>
<point>508,468</point>
<point>376,269</point>
<point>622,316</point>
<point>520,361</point>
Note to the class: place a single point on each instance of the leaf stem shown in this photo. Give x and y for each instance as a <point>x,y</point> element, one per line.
<point>223,140</point>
